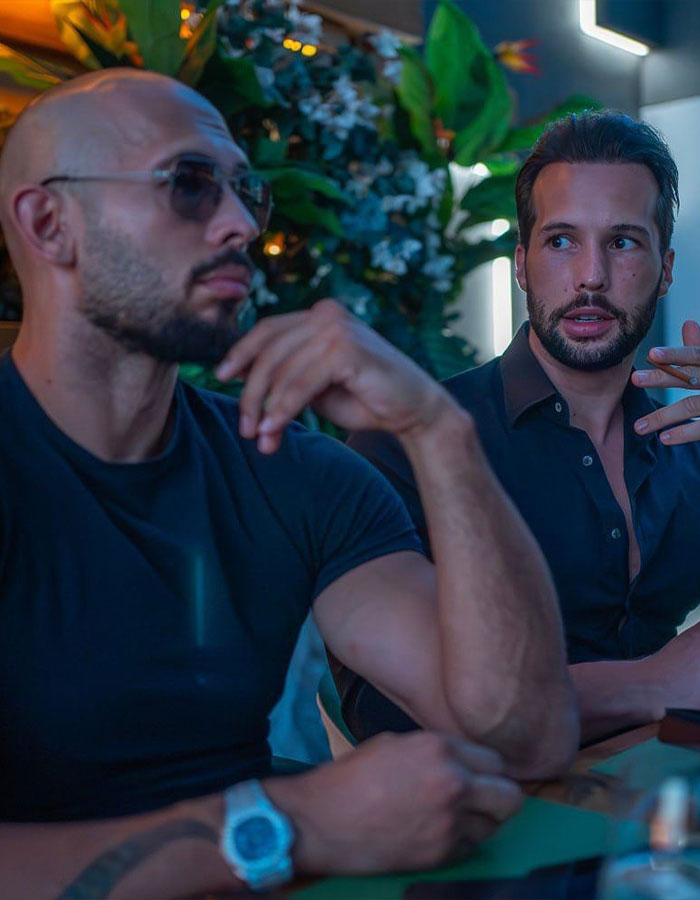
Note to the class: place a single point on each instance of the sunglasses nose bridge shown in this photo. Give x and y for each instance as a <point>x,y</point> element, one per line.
<point>232,220</point>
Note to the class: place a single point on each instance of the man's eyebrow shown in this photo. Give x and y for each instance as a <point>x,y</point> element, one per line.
<point>622,227</point>
<point>625,226</point>
<point>557,226</point>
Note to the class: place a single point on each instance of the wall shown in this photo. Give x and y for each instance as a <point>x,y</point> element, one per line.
<point>679,120</point>
<point>672,71</point>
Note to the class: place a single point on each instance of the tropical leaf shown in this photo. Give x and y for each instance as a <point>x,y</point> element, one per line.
<point>289,182</point>
<point>415,94</point>
<point>86,24</point>
<point>471,94</point>
<point>200,46</point>
<point>305,211</point>
<point>231,84</point>
<point>519,139</point>
<point>25,70</point>
<point>493,198</point>
<point>472,255</point>
<point>155,26</point>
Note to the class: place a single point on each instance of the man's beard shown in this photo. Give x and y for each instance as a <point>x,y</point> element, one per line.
<point>127,297</point>
<point>632,329</point>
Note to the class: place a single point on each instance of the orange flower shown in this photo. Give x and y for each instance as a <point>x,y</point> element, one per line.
<point>443,135</point>
<point>510,54</point>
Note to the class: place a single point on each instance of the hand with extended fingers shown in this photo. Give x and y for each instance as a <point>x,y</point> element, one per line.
<point>687,358</point>
<point>326,357</point>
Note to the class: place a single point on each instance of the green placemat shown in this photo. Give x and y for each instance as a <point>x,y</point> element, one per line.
<point>646,764</point>
<point>542,834</point>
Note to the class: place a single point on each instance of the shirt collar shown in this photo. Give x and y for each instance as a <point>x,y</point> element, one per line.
<point>524,381</point>
<point>525,384</point>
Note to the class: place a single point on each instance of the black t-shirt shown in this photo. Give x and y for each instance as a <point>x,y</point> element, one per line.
<point>148,611</point>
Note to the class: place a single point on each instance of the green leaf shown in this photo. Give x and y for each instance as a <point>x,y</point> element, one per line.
<point>493,198</point>
<point>524,138</point>
<point>267,153</point>
<point>25,70</point>
<point>306,212</point>
<point>471,94</point>
<point>469,256</point>
<point>231,84</point>
<point>155,26</point>
<point>200,46</point>
<point>415,94</point>
<point>105,59</point>
<point>290,182</point>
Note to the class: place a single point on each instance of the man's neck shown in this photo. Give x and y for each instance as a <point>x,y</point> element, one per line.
<point>116,405</point>
<point>594,398</point>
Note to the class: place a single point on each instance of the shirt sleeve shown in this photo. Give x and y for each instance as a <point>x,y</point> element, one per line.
<point>353,514</point>
<point>387,456</point>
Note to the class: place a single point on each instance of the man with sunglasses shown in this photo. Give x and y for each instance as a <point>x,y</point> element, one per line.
<point>162,545</point>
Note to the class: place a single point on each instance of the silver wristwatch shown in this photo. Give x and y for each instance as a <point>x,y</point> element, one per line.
<point>256,838</point>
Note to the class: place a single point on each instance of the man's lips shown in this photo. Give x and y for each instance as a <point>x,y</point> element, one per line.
<point>588,313</point>
<point>227,281</point>
<point>587,322</point>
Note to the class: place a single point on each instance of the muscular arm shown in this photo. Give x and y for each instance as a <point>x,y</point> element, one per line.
<point>473,646</point>
<point>497,647</point>
<point>620,694</point>
<point>169,853</point>
<point>397,803</point>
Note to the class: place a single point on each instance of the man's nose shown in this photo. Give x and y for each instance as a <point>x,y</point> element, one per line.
<point>232,223</point>
<point>591,272</point>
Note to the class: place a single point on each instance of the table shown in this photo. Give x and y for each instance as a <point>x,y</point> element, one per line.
<point>560,821</point>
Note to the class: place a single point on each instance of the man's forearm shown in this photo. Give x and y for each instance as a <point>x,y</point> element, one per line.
<point>169,853</point>
<point>615,694</point>
<point>621,694</point>
<point>503,654</point>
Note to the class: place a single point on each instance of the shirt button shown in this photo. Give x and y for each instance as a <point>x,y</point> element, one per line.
<point>587,460</point>
<point>558,407</point>
<point>615,533</point>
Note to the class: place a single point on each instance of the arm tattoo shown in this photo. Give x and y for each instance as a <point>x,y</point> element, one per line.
<point>97,880</point>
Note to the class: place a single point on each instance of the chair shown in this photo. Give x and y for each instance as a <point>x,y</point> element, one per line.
<point>328,703</point>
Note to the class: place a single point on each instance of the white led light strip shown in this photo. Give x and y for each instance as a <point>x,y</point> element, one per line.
<point>588,19</point>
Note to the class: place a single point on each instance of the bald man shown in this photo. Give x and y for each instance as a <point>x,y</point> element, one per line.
<point>162,545</point>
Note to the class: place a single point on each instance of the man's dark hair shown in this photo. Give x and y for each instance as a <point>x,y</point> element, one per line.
<point>601,137</point>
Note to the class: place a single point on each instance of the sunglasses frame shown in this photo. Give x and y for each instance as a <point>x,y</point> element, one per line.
<point>208,166</point>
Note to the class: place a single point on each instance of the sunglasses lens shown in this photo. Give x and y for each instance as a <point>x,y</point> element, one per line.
<point>195,191</point>
<point>255,195</point>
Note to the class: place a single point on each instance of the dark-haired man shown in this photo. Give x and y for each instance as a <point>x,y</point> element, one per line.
<point>615,507</point>
<point>161,546</point>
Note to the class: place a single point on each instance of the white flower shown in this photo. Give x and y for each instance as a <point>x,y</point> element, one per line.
<point>386,44</point>
<point>266,76</point>
<point>260,292</point>
<point>391,70</point>
<point>392,257</point>
<point>307,27</point>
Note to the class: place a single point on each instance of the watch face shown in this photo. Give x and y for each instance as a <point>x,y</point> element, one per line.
<point>255,838</point>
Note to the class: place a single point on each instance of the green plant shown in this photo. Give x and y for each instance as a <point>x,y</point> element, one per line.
<point>357,142</point>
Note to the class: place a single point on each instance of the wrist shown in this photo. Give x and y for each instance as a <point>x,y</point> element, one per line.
<point>447,426</point>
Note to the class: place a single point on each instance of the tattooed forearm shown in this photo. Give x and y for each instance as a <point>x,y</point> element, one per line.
<point>100,877</point>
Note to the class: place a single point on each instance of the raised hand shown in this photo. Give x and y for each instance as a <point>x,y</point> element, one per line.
<point>397,802</point>
<point>326,357</point>
<point>688,358</point>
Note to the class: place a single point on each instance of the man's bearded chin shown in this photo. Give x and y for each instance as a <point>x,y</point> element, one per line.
<point>182,338</point>
<point>590,354</point>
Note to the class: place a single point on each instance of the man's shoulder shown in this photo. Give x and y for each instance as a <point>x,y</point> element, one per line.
<point>477,387</point>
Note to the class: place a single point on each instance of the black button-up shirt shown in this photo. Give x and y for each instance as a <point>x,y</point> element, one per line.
<point>554,475</point>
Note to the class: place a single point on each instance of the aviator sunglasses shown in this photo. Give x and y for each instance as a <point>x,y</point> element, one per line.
<point>196,187</point>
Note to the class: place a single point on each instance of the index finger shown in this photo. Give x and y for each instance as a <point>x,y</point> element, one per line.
<point>676,356</point>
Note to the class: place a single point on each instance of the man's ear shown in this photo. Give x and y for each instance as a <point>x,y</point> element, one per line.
<point>520,270</point>
<point>666,272</point>
<point>41,220</point>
